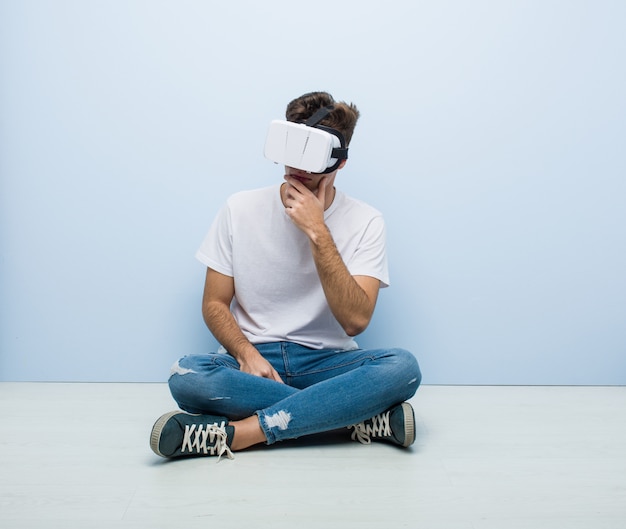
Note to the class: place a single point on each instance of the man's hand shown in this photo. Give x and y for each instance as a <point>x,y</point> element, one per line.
<point>259,366</point>
<point>305,207</point>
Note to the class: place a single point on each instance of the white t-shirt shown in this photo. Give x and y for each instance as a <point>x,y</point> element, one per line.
<point>278,294</point>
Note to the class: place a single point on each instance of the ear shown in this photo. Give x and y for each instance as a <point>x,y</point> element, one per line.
<point>341,164</point>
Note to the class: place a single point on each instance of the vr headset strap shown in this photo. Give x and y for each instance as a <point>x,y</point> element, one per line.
<point>340,153</point>
<point>318,116</point>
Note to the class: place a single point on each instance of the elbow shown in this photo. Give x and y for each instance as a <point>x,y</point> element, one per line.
<point>354,331</point>
<point>356,326</point>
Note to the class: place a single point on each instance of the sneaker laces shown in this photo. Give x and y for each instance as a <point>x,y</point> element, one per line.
<point>198,435</point>
<point>377,426</point>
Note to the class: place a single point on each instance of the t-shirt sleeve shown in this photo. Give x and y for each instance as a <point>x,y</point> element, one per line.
<point>370,256</point>
<point>216,250</point>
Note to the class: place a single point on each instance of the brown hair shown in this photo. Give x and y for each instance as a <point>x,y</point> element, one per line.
<point>343,117</point>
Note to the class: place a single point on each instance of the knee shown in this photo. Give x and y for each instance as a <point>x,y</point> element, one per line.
<point>184,373</point>
<point>184,366</point>
<point>180,370</point>
<point>409,366</point>
<point>189,382</point>
<point>199,372</point>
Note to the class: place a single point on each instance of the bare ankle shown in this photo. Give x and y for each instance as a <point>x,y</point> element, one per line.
<point>248,433</point>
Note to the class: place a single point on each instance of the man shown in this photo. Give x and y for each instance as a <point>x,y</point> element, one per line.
<point>293,273</point>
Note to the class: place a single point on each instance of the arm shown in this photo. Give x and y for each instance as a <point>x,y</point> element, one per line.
<point>219,290</point>
<point>351,299</point>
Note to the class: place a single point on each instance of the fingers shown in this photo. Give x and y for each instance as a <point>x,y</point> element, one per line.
<point>259,366</point>
<point>295,189</point>
<point>297,185</point>
<point>276,377</point>
<point>264,371</point>
<point>272,374</point>
<point>291,190</point>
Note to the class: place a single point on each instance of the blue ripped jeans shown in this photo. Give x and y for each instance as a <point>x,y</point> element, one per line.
<point>324,389</point>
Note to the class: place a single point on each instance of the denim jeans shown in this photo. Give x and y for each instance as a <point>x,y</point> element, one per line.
<point>324,389</point>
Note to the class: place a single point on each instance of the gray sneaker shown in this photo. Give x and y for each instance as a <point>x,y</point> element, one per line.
<point>179,434</point>
<point>396,425</point>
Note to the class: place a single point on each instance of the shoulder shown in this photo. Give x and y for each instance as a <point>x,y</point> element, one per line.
<point>255,207</point>
<point>353,206</point>
<point>245,204</point>
<point>252,195</point>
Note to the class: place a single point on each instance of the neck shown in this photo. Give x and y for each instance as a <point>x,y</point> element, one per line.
<point>330,196</point>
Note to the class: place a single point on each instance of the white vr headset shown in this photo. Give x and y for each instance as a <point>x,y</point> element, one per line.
<point>306,146</point>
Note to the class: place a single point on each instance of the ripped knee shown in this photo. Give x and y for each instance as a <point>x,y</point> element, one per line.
<point>177,369</point>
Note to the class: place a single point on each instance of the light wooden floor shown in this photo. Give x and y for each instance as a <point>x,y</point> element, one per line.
<point>77,456</point>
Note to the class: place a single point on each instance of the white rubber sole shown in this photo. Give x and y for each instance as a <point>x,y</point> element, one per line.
<point>409,425</point>
<point>155,436</point>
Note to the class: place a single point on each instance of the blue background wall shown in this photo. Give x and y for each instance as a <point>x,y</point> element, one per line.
<point>492,137</point>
